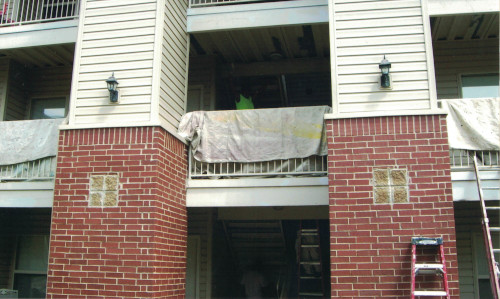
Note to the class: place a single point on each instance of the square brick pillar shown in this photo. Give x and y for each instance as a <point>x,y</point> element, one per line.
<point>119,223</point>
<point>389,180</point>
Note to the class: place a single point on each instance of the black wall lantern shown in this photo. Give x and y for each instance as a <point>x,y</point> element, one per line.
<point>385,79</point>
<point>112,85</point>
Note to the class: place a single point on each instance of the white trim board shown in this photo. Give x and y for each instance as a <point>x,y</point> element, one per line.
<point>39,35</point>
<point>27,194</point>
<point>283,13</point>
<point>457,7</point>
<point>257,196</point>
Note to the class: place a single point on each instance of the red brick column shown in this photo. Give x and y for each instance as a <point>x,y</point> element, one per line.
<point>119,224</point>
<point>370,237</point>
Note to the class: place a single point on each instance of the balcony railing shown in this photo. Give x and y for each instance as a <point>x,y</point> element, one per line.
<point>311,166</point>
<point>461,159</point>
<point>198,3</point>
<point>19,12</point>
<point>41,169</point>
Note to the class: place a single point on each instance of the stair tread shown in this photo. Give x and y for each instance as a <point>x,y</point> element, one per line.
<point>428,266</point>
<point>430,293</point>
<point>310,294</point>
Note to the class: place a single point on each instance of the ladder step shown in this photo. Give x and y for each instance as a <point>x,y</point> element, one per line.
<point>428,266</point>
<point>310,277</point>
<point>310,263</point>
<point>426,241</point>
<point>495,229</point>
<point>309,246</point>
<point>491,188</point>
<point>492,208</point>
<point>496,250</point>
<point>430,293</point>
<point>310,294</point>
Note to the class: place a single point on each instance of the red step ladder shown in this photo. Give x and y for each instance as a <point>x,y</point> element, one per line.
<point>428,268</point>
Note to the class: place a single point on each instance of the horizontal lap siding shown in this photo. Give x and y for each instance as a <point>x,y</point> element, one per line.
<point>173,76</point>
<point>118,36</point>
<point>365,31</point>
<point>454,58</point>
<point>4,75</point>
<point>16,108</point>
<point>200,224</point>
<point>50,82</point>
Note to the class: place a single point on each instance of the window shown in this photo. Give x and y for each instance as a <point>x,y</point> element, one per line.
<point>480,86</point>
<point>48,108</point>
<point>30,274</point>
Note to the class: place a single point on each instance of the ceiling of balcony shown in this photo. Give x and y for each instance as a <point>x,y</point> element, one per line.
<point>42,56</point>
<point>266,44</point>
<point>465,27</point>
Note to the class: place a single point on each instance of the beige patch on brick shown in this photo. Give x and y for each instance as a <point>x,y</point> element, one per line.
<point>110,199</point>
<point>381,177</point>
<point>382,195</point>
<point>398,177</point>
<point>400,194</point>
<point>111,183</point>
<point>95,199</point>
<point>97,182</point>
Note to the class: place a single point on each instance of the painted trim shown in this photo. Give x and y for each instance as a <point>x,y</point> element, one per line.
<point>333,57</point>
<point>76,64</point>
<point>27,194</point>
<point>271,182</point>
<point>431,76</point>
<point>257,196</point>
<point>385,113</point>
<point>37,38</point>
<point>3,96</point>
<point>255,15</point>
<point>154,113</point>
<point>457,7</point>
<point>39,27</point>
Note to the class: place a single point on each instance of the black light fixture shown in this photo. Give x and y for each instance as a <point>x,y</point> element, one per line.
<point>112,85</point>
<point>385,79</point>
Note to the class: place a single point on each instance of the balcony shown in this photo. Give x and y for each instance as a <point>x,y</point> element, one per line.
<point>21,12</point>
<point>38,170</point>
<point>200,3</point>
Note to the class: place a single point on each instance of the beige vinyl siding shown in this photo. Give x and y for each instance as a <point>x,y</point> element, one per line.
<point>15,222</point>
<point>454,58</point>
<point>200,223</point>
<point>4,75</point>
<point>17,103</point>
<point>174,62</point>
<point>365,31</point>
<point>49,82</point>
<point>467,223</point>
<point>116,36</point>
<point>202,72</point>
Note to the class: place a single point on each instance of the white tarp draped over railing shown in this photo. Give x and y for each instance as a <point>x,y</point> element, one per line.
<point>473,124</point>
<point>255,135</point>
<point>22,141</point>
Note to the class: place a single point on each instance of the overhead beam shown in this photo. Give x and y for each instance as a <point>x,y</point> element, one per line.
<point>458,7</point>
<point>63,32</point>
<point>257,15</point>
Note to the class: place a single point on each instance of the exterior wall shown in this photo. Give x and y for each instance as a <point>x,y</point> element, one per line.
<point>370,242</point>
<point>15,222</point>
<point>174,64</point>
<point>16,108</point>
<point>200,224</point>
<point>4,76</point>
<point>135,246</point>
<point>114,36</point>
<point>49,82</point>
<point>202,72</point>
<point>361,34</point>
<point>146,45</point>
<point>454,58</point>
